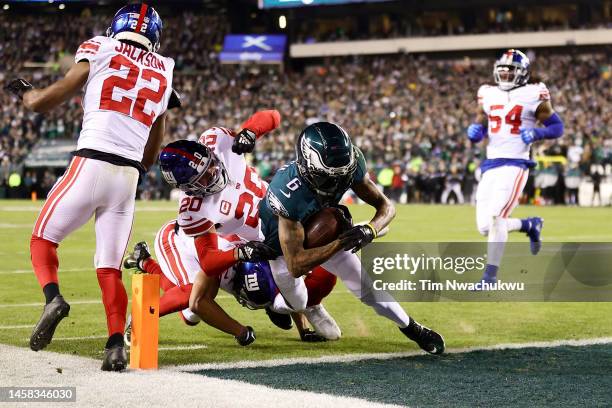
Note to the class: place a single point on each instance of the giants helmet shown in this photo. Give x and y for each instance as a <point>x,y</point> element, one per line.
<point>253,284</point>
<point>511,70</point>
<point>193,168</point>
<point>138,23</point>
<point>326,158</point>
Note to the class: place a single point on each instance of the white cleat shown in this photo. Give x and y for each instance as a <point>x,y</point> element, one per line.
<point>322,322</point>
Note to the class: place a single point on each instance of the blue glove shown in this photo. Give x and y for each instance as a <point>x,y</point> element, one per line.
<point>530,135</point>
<point>476,132</point>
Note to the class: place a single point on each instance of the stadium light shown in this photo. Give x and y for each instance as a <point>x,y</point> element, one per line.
<point>6,7</point>
<point>62,6</point>
<point>282,22</point>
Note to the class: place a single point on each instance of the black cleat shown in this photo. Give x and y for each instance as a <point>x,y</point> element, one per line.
<point>53,313</point>
<point>115,359</point>
<point>280,320</point>
<point>427,339</point>
<point>137,256</point>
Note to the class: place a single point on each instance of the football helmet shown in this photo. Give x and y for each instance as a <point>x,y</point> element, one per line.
<point>511,70</point>
<point>326,158</point>
<point>139,23</point>
<point>253,284</point>
<point>193,168</point>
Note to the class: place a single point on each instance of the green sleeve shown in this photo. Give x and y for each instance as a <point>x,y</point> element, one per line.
<point>362,167</point>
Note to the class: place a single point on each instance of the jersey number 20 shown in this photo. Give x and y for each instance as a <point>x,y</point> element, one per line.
<point>126,105</point>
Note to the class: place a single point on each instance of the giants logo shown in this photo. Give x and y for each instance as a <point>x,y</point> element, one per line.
<point>250,282</point>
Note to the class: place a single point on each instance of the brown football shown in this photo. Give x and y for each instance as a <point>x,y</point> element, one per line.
<point>323,227</point>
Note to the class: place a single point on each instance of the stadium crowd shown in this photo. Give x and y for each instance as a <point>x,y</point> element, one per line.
<point>407,113</point>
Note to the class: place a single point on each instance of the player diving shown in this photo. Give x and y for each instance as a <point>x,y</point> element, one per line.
<point>507,116</point>
<point>326,167</point>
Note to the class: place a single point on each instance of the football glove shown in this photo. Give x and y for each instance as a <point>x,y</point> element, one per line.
<point>175,100</point>
<point>347,218</point>
<point>255,251</point>
<point>310,336</point>
<point>476,132</point>
<point>246,337</point>
<point>18,87</point>
<point>530,135</point>
<point>244,142</point>
<point>357,237</point>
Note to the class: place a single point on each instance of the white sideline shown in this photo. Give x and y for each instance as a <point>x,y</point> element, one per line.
<point>20,367</point>
<point>347,358</point>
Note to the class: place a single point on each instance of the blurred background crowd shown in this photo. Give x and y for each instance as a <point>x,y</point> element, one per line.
<point>408,113</point>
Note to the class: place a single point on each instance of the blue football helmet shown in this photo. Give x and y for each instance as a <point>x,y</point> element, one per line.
<point>139,23</point>
<point>511,70</point>
<point>253,284</point>
<point>193,168</point>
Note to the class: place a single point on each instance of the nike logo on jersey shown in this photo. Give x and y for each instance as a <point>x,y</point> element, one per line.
<point>288,195</point>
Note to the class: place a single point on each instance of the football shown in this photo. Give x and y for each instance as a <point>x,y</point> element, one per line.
<point>323,227</point>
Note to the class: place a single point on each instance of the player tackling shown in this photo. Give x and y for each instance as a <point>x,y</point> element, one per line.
<point>127,90</point>
<point>511,109</point>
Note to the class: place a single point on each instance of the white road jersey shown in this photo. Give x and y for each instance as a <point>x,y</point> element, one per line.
<point>127,89</point>
<point>508,112</point>
<point>235,210</point>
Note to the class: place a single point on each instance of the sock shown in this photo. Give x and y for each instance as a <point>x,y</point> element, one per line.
<point>50,290</point>
<point>114,298</point>
<point>498,235</point>
<point>490,272</point>
<point>43,254</point>
<point>514,224</point>
<point>151,266</point>
<point>319,284</point>
<point>174,300</point>
<point>115,340</point>
<point>525,225</point>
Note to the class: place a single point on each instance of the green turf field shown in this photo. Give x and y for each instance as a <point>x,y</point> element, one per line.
<point>462,324</point>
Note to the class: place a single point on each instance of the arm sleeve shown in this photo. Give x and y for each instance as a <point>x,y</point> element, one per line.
<point>88,50</point>
<point>262,122</point>
<point>213,261</point>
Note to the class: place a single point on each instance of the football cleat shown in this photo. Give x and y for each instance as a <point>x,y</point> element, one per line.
<point>189,321</point>
<point>52,314</point>
<point>310,336</point>
<point>135,258</point>
<point>127,332</point>
<point>322,322</point>
<point>427,339</point>
<point>282,321</point>
<point>535,229</point>
<point>115,359</point>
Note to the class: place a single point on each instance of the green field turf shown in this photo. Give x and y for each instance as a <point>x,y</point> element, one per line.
<point>463,324</point>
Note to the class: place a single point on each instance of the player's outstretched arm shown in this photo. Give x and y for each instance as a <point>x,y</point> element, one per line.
<point>361,235</point>
<point>256,126</point>
<point>45,99</point>
<point>299,260</point>
<point>202,302</point>
<point>156,136</point>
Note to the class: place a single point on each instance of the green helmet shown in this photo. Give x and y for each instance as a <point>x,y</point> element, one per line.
<point>326,158</point>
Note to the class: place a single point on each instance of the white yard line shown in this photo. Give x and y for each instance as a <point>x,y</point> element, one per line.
<point>155,388</point>
<point>38,304</point>
<point>348,358</point>
<point>17,326</point>
<point>30,271</point>
<point>183,348</point>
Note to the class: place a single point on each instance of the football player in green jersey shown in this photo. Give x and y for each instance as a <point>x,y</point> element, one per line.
<point>327,165</point>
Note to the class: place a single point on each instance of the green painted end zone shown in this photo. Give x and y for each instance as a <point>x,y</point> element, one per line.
<point>530,377</point>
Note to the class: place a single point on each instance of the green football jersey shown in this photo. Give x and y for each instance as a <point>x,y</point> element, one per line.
<point>290,196</point>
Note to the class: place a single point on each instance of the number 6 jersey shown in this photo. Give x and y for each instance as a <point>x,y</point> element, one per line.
<point>508,112</point>
<point>234,210</point>
<point>127,89</point>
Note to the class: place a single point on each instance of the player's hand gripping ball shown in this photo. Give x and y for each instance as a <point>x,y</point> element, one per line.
<point>357,237</point>
<point>244,142</point>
